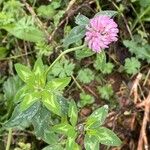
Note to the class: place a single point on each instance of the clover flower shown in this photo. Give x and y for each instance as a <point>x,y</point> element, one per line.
<point>101,31</point>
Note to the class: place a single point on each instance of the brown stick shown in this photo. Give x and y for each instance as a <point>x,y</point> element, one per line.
<point>134,89</point>
<point>143,138</point>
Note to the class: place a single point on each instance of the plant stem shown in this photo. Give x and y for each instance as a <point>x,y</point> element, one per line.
<point>98,5</point>
<point>15,57</point>
<point>62,54</point>
<point>9,139</point>
<point>139,17</point>
<point>78,85</point>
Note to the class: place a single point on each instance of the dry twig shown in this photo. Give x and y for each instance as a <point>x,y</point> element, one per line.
<point>134,89</point>
<point>143,138</point>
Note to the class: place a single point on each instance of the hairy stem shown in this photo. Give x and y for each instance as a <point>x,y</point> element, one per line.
<point>62,54</point>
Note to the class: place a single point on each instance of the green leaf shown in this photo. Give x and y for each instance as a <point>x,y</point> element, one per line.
<point>39,70</point>
<point>58,84</point>
<point>71,144</point>
<point>97,118</point>
<point>85,75</point>
<point>82,20</point>
<point>22,119</point>
<point>20,94</point>
<point>109,13</point>
<point>107,137</point>
<point>91,143</point>
<point>85,99</point>
<point>74,36</point>
<point>11,86</point>
<point>58,16</point>
<point>83,53</point>
<point>3,52</point>
<point>106,91</point>
<point>132,65</point>
<point>102,65</point>
<point>142,51</point>
<point>23,72</point>
<point>50,102</point>
<point>46,11</point>
<point>28,100</point>
<point>63,68</point>
<point>73,113</point>
<point>38,67</point>
<point>50,137</point>
<point>32,35</point>
<point>64,128</point>
<point>53,147</point>
<point>41,122</point>
<point>144,3</point>
<point>63,102</point>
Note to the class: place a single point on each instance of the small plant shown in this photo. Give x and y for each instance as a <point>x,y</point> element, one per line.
<point>63,68</point>
<point>85,99</point>
<point>39,99</point>
<point>102,65</point>
<point>106,91</point>
<point>85,76</point>
<point>132,65</point>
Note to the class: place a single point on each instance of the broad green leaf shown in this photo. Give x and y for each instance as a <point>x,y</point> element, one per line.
<point>11,86</point>
<point>74,36</point>
<point>142,51</point>
<point>3,52</point>
<point>83,53</point>
<point>38,70</point>
<point>20,94</point>
<point>97,118</point>
<point>91,142</point>
<point>58,84</point>
<point>22,119</point>
<point>46,11</point>
<point>38,67</point>
<point>50,102</point>
<point>33,34</point>
<point>73,113</point>
<point>53,147</point>
<point>28,100</point>
<point>71,144</point>
<point>107,137</point>
<point>50,137</point>
<point>82,20</point>
<point>41,122</point>
<point>109,13</point>
<point>64,103</point>
<point>144,3</point>
<point>64,128</point>
<point>23,72</point>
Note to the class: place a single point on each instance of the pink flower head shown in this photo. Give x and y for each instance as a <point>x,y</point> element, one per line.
<point>101,31</point>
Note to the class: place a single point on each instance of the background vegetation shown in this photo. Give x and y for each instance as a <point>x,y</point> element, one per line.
<point>119,77</point>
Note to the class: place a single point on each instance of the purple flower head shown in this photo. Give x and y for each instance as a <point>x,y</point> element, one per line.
<point>101,31</point>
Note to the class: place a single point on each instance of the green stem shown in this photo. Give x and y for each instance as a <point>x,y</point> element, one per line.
<point>9,139</point>
<point>62,54</point>
<point>15,57</point>
<point>139,17</point>
<point>98,5</point>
